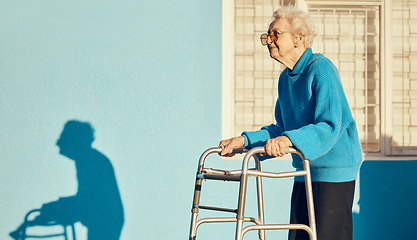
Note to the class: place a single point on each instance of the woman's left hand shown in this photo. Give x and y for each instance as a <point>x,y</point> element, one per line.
<point>276,146</point>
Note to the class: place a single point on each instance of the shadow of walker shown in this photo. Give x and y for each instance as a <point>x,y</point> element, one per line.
<point>97,204</point>
<point>388,197</point>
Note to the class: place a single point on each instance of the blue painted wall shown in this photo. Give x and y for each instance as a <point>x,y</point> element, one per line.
<point>387,201</point>
<point>146,75</point>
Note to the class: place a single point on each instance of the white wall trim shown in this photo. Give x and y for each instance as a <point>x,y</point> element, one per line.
<point>386,86</point>
<point>228,68</point>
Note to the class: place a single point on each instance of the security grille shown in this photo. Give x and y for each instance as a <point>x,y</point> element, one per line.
<point>404,84</point>
<point>350,37</point>
<point>255,73</point>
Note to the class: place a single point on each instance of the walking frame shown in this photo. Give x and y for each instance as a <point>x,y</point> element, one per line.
<point>241,176</point>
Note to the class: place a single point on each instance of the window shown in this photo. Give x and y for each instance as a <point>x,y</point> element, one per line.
<point>350,37</point>
<point>379,78</point>
<point>404,77</point>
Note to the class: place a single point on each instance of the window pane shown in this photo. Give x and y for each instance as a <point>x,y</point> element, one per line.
<point>404,84</point>
<point>256,75</point>
<point>349,36</point>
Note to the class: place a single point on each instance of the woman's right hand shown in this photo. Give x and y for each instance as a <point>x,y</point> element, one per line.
<point>229,144</point>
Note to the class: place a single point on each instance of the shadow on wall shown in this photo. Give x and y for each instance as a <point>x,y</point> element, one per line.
<point>388,201</point>
<point>97,204</point>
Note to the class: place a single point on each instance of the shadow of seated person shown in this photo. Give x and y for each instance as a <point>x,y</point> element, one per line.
<point>97,204</point>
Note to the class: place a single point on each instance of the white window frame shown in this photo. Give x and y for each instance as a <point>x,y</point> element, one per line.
<point>228,69</point>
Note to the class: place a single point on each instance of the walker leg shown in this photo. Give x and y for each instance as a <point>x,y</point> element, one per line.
<point>239,227</point>
<point>194,209</point>
<point>241,206</point>
<point>310,202</point>
<point>260,201</point>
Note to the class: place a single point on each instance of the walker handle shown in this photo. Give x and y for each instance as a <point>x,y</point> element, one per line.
<point>244,150</point>
<point>238,150</point>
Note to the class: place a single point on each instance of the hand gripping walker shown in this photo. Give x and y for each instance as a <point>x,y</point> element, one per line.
<point>241,176</point>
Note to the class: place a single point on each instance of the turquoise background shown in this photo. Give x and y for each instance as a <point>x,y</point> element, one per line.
<point>147,76</point>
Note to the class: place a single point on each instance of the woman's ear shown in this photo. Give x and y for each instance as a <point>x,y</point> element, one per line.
<point>298,39</point>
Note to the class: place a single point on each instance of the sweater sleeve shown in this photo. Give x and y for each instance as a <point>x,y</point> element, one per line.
<point>316,139</point>
<point>259,138</point>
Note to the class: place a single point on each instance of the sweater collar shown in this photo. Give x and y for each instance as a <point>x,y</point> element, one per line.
<point>299,67</point>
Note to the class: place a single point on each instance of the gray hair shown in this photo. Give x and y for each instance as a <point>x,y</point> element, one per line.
<point>300,23</point>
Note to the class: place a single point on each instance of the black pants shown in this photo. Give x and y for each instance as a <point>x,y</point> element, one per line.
<point>332,206</point>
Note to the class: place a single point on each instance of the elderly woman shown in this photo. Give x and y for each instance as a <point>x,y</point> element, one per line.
<point>312,115</point>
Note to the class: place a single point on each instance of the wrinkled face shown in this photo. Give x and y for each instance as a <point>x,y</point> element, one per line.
<point>280,41</point>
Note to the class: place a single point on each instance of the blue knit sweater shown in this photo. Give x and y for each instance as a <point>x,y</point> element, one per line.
<point>312,110</point>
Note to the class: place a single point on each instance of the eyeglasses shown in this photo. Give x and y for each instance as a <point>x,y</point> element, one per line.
<point>273,35</point>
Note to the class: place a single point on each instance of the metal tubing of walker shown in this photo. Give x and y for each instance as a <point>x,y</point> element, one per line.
<point>260,199</point>
<point>226,219</point>
<point>194,209</point>
<point>310,202</point>
<point>197,191</point>
<point>242,192</point>
<point>280,227</point>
